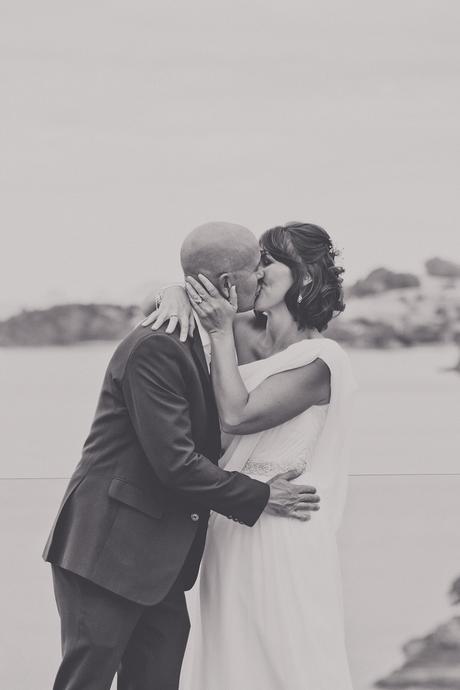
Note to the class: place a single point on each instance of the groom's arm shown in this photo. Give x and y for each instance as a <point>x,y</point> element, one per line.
<point>155,391</point>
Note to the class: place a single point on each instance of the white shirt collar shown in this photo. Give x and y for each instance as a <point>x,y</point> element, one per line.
<point>205,339</point>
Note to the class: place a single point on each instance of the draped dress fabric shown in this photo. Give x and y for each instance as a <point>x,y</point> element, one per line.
<point>267,614</point>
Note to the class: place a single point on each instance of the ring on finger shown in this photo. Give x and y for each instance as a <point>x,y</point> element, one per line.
<point>198,300</point>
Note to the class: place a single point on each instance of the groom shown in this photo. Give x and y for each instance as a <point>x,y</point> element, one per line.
<point>130,533</point>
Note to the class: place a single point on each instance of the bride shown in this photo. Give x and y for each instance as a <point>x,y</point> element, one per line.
<point>268,612</point>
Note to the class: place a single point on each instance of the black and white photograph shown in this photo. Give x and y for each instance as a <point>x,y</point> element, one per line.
<point>230,345</point>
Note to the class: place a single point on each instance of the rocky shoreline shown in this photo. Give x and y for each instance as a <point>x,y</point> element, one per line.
<point>383,310</point>
<point>432,662</point>
<point>68,324</point>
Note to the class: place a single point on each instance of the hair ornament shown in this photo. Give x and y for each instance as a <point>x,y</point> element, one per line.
<point>333,251</point>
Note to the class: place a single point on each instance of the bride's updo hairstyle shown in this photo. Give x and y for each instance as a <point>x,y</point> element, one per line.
<point>316,294</point>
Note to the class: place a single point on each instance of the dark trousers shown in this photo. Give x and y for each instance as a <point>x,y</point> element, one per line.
<point>103,633</point>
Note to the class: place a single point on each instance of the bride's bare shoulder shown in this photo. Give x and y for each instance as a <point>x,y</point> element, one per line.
<point>247,329</point>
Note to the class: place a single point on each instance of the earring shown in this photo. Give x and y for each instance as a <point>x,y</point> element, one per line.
<point>306,281</point>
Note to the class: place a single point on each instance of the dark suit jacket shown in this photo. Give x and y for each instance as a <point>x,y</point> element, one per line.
<point>136,509</point>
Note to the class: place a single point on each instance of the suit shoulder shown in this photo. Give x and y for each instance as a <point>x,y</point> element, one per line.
<point>143,341</point>
<point>142,338</point>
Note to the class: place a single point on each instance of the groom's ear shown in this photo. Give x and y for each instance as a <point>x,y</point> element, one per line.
<point>224,284</point>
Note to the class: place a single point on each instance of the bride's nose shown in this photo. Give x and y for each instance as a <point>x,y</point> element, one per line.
<point>260,273</point>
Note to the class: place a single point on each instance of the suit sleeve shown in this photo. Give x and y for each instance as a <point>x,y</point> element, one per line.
<point>154,388</point>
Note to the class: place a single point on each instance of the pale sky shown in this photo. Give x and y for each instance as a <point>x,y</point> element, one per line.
<point>124,124</point>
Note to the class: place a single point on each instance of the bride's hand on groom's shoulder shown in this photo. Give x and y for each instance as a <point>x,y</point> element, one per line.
<point>172,305</point>
<point>291,500</point>
<point>216,313</point>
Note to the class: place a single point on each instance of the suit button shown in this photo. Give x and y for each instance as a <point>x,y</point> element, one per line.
<point>195,517</point>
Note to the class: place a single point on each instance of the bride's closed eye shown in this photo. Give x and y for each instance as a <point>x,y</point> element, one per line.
<point>266,259</point>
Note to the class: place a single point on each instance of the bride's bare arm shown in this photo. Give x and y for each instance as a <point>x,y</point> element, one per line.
<point>278,399</point>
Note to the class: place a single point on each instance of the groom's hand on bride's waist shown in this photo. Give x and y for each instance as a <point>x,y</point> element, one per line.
<point>291,500</point>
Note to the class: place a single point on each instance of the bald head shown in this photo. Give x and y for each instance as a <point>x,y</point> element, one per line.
<point>227,254</point>
<point>216,248</point>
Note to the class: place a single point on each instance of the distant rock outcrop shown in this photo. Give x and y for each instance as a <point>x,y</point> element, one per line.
<point>380,280</point>
<point>67,324</point>
<point>442,268</point>
<point>366,333</point>
<point>432,662</point>
<point>389,309</point>
<point>454,592</point>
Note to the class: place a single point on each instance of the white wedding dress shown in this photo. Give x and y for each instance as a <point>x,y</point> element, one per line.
<point>267,612</point>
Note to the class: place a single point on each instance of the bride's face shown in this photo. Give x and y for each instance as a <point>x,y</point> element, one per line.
<point>277,281</point>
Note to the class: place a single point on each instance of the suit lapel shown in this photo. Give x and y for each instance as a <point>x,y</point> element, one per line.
<point>200,358</point>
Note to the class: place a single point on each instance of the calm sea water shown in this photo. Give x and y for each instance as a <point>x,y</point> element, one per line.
<point>399,541</point>
<point>406,417</point>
